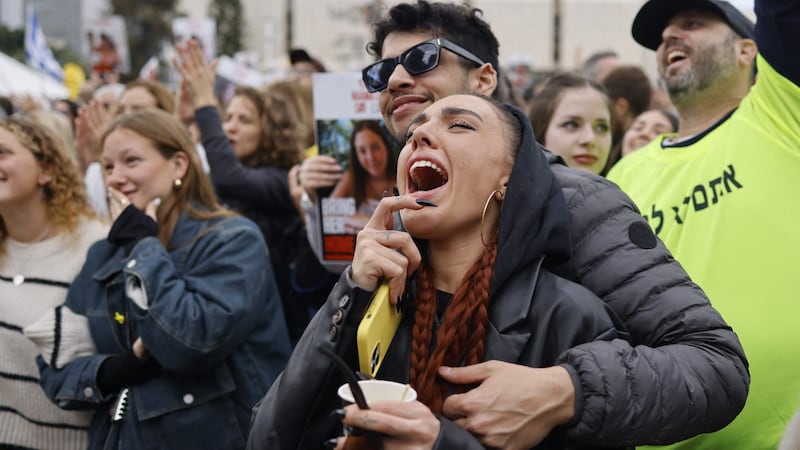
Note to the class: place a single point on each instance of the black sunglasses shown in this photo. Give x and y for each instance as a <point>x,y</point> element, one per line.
<point>417,60</point>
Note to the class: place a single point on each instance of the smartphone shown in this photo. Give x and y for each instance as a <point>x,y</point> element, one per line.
<point>376,331</point>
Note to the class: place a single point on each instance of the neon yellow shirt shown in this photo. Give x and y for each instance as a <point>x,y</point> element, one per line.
<point>728,207</point>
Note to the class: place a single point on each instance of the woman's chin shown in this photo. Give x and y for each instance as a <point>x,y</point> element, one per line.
<point>417,225</point>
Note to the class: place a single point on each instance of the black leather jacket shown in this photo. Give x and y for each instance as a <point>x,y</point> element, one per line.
<point>534,317</point>
<point>682,370</point>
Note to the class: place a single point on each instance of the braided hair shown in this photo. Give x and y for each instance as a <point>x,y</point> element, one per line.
<point>461,338</point>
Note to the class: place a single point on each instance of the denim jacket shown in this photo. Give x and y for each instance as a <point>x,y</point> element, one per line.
<point>207,309</point>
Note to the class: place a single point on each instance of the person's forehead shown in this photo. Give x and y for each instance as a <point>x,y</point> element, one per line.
<point>139,93</point>
<point>399,41</point>
<point>366,134</point>
<point>304,65</point>
<point>456,104</point>
<point>242,102</point>
<point>579,98</point>
<point>694,13</point>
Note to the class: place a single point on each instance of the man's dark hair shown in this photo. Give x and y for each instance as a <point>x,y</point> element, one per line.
<point>632,84</point>
<point>457,23</point>
<point>589,66</point>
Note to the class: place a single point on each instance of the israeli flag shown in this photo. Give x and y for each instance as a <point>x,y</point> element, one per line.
<point>37,53</point>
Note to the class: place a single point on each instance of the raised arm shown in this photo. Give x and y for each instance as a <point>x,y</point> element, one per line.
<point>776,35</point>
<point>266,186</point>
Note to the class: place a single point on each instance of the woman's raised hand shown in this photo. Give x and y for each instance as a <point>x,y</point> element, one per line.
<point>93,118</point>
<point>197,76</point>
<point>385,254</point>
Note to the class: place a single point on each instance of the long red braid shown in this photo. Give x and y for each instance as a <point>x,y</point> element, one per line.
<point>461,338</point>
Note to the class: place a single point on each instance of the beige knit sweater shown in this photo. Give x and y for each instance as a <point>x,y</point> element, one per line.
<point>27,417</point>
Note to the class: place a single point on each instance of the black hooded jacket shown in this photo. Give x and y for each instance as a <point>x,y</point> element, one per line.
<point>534,317</point>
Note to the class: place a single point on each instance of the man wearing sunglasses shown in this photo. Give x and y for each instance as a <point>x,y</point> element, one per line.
<point>683,371</point>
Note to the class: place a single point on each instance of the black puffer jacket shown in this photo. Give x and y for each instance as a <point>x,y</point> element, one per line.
<point>534,316</point>
<point>684,372</point>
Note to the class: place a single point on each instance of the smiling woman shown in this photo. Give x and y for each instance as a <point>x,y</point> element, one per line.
<point>180,302</point>
<point>46,227</point>
<point>370,170</point>
<point>467,267</point>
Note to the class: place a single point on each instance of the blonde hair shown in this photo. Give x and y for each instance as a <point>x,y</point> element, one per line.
<point>60,126</point>
<point>64,195</point>
<point>164,98</point>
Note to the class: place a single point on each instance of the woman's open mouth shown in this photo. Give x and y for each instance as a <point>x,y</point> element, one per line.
<point>425,175</point>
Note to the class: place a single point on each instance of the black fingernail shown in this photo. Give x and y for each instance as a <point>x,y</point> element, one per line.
<point>340,413</point>
<point>423,202</point>
<point>332,443</point>
<point>396,191</point>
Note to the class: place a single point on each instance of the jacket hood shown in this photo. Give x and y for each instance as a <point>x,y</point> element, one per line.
<point>534,218</point>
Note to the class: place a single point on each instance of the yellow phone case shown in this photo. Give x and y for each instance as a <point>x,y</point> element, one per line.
<point>376,330</point>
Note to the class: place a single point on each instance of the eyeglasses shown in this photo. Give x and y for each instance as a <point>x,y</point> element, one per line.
<point>417,60</point>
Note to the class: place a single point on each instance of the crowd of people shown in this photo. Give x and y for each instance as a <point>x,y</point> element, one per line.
<point>590,268</point>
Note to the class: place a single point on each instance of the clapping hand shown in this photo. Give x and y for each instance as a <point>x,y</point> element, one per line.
<point>197,76</point>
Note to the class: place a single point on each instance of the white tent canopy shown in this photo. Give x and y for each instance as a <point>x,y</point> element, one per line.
<point>18,79</point>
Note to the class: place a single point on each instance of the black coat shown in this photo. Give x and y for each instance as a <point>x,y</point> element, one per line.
<point>682,372</point>
<point>533,318</point>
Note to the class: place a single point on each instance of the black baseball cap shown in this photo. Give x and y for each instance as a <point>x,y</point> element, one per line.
<point>297,55</point>
<point>652,18</point>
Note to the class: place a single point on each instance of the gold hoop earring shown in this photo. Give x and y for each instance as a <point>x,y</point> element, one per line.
<point>486,208</point>
<point>177,183</point>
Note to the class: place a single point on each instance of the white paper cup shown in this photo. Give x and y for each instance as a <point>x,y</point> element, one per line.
<point>379,391</point>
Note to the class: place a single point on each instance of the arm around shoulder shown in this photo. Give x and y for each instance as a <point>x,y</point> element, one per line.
<point>684,369</point>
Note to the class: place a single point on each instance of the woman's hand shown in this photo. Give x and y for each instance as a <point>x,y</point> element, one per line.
<point>197,83</point>
<point>383,254</point>
<point>139,350</point>
<point>295,189</point>
<point>318,172</point>
<point>91,123</point>
<point>117,202</point>
<point>404,425</point>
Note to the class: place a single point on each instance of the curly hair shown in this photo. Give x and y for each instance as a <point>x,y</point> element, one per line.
<point>283,131</point>
<point>287,124</point>
<point>458,23</point>
<point>64,194</point>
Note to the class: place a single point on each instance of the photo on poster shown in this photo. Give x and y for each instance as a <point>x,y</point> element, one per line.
<point>231,74</point>
<point>107,46</point>
<point>350,129</point>
<point>201,29</point>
